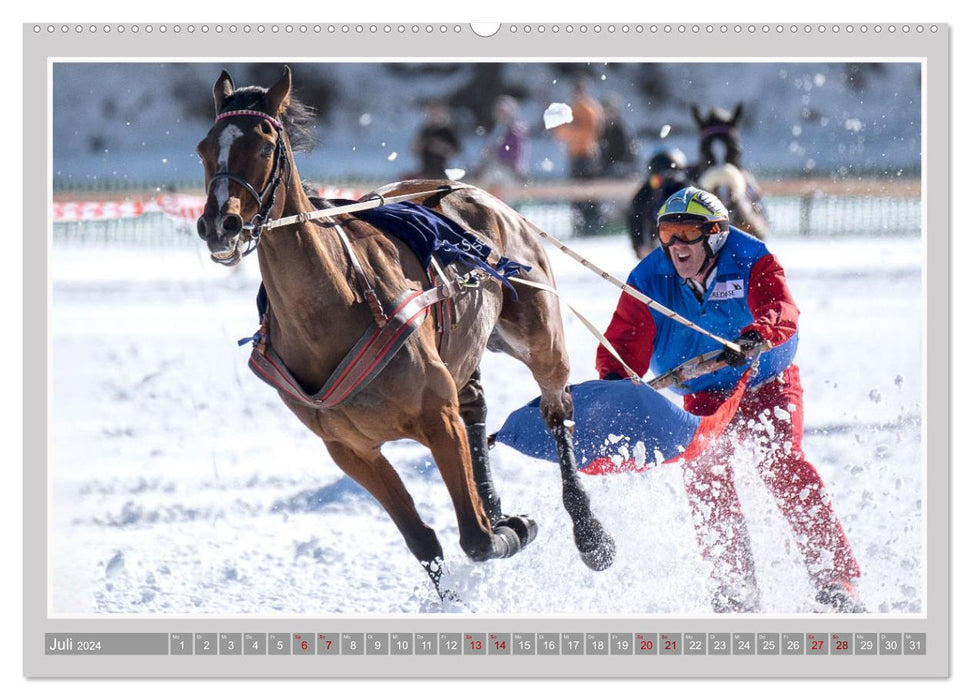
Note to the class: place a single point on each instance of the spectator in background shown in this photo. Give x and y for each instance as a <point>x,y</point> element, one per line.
<point>618,149</point>
<point>582,140</point>
<point>505,156</point>
<point>667,172</point>
<point>436,142</point>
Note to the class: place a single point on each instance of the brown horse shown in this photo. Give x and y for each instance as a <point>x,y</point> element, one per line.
<point>320,304</point>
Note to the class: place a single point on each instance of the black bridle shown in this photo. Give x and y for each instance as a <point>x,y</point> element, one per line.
<point>728,135</point>
<point>267,197</point>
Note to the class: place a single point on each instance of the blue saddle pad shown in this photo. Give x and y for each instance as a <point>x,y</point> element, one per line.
<point>427,233</point>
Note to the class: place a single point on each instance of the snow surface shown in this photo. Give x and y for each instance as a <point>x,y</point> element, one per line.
<point>179,483</point>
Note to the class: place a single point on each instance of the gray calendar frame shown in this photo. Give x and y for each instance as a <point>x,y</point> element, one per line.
<point>920,42</point>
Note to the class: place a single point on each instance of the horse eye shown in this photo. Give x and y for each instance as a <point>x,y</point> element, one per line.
<point>267,150</point>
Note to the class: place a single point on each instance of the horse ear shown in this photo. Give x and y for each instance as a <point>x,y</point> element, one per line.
<point>696,113</point>
<point>737,114</point>
<point>278,96</point>
<point>222,90</point>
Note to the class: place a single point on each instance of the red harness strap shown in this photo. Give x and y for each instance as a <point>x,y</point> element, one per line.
<point>371,354</point>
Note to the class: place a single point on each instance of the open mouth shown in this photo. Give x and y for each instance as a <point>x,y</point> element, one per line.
<point>230,256</point>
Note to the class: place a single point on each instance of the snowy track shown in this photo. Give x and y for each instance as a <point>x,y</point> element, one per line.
<point>180,484</point>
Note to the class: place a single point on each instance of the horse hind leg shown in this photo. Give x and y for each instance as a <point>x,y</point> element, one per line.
<point>472,409</point>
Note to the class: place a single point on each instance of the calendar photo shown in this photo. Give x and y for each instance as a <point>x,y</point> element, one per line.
<point>190,486</point>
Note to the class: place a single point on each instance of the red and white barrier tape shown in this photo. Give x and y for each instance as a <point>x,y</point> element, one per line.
<point>98,211</point>
<point>185,208</point>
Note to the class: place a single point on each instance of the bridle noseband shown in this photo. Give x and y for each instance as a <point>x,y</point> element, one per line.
<point>265,199</point>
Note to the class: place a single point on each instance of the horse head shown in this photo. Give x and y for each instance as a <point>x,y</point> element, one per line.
<point>245,157</point>
<point>719,127</point>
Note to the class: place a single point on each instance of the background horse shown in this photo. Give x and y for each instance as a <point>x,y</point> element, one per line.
<point>725,177</point>
<point>328,280</point>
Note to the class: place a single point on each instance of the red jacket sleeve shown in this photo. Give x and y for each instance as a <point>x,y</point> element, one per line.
<point>774,311</point>
<point>631,332</point>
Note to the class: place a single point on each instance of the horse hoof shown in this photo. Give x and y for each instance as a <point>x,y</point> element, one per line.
<point>506,542</point>
<point>447,595</point>
<point>523,525</point>
<point>601,556</point>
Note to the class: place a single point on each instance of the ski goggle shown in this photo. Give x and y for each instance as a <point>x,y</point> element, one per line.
<point>683,231</point>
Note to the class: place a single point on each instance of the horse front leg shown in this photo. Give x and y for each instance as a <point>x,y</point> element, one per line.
<point>445,435</point>
<point>371,470</point>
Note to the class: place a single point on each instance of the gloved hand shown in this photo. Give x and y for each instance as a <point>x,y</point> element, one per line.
<point>748,342</point>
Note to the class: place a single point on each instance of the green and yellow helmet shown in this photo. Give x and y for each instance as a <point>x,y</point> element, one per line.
<point>692,203</point>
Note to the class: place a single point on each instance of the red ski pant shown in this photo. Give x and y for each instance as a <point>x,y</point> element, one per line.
<point>770,419</point>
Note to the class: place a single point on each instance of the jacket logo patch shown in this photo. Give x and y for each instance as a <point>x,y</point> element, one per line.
<point>728,289</point>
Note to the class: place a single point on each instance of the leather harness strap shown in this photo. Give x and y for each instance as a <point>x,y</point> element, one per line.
<point>372,352</point>
<point>445,319</point>
<point>363,283</point>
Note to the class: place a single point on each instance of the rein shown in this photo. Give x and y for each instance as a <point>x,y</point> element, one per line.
<point>261,221</point>
<point>389,330</point>
<point>369,203</point>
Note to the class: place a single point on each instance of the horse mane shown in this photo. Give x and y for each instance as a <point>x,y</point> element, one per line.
<point>298,118</point>
<point>313,194</point>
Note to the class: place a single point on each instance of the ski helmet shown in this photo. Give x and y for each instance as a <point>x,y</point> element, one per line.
<point>693,204</point>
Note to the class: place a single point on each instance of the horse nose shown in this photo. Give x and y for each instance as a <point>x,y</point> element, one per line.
<point>230,225</point>
<point>203,227</point>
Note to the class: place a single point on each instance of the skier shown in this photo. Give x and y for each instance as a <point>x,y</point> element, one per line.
<point>729,283</point>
